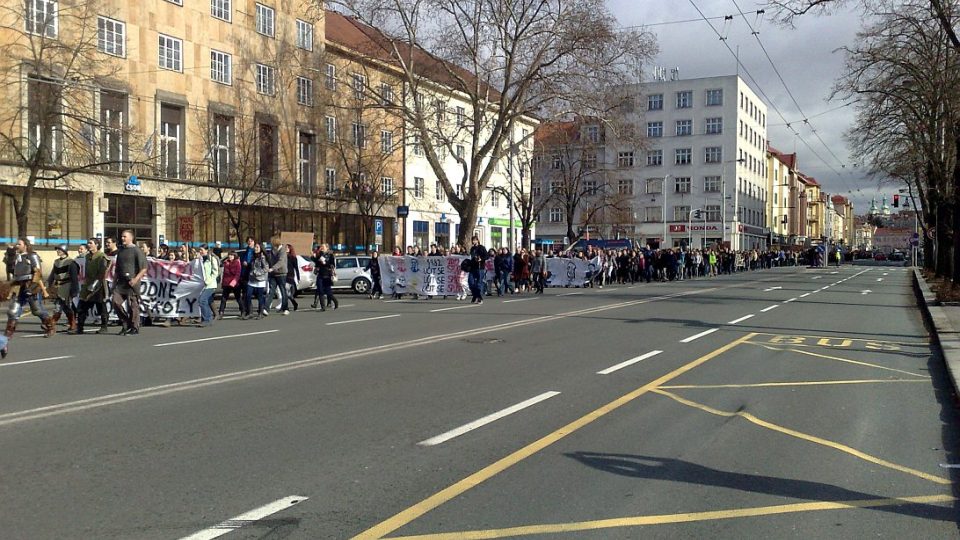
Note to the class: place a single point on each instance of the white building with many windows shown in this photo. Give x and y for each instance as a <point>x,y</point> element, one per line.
<point>700,178</point>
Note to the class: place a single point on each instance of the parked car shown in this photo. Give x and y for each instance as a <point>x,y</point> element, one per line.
<point>307,279</point>
<point>879,257</point>
<point>897,256</point>
<point>352,273</point>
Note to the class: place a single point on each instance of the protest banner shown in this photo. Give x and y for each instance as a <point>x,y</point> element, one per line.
<point>568,272</point>
<point>429,276</point>
<point>170,289</point>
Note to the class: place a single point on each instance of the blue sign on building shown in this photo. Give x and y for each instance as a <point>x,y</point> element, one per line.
<point>378,226</point>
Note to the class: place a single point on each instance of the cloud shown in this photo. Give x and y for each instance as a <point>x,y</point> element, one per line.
<point>806,57</point>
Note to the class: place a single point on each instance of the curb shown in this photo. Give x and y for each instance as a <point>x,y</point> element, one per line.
<point>946,335</point>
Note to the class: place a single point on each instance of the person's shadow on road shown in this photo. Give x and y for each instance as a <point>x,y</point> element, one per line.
<point>675,470</point>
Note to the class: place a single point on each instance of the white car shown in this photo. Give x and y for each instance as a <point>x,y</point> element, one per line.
<point>352,273</point>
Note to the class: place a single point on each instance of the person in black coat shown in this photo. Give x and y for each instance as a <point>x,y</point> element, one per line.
<point>373,266</point>
<point>325,265</point>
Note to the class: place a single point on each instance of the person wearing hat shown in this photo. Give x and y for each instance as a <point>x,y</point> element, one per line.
<point>64,283</point>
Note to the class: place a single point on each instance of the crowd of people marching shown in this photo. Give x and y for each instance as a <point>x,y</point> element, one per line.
<point>269,274</point>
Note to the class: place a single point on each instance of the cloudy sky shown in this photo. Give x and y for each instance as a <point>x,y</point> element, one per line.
<point>805,57</point>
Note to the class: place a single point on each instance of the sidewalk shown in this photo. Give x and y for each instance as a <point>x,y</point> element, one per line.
<point>945,321</point>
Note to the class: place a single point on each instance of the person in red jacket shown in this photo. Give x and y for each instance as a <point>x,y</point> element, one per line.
<point>230,282</point>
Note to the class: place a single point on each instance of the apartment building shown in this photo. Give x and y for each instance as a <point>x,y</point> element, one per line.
<point>699,177</point>
<point>185,122</point>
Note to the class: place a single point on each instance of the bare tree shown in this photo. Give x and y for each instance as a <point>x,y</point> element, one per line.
<point>572,172</point>
<point>903,72</point>
<point>508,61</point>
<point>52,75</point>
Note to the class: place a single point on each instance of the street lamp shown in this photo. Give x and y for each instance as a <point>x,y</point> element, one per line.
<point>663,214</point>
<point>723,206</point>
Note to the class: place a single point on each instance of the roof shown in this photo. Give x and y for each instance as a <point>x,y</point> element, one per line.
<point>838,199</point>
<point>808,180</point>
<point>790,160</point>
<point>352,34</point>
<point>555,133</point>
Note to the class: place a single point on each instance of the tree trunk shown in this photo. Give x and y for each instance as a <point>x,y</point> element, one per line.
<point>468,211</point>
<point>955,210</point>
<point>944,240</point>
<point>22,210</point>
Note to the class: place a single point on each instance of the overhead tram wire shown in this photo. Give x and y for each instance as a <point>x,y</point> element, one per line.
<point>806,119</point>
<point>764,94</point>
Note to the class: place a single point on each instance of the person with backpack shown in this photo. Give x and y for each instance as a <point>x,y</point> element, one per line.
<point>30,290</point>
<point>259,271</point>
<point>211,271</point>
<point>64,282</point>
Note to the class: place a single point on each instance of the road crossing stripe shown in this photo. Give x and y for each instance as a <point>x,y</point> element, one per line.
<point>467,428</point>
<point>628,363</point>
<point>215,338</point>
<point>246,518</point>
<point>8,364</point>
<point>768,308</point>
<point>451,308</point>
<point>363,320</point>
<point>698,336</point>
<point>741,319</point>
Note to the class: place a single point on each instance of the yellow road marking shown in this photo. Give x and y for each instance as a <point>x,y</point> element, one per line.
<point>907,343</point>
<point>837,358</point>
<point>800,383</point>
<point>811,438</point>
<point>638,521</point>
<point>406,516</point>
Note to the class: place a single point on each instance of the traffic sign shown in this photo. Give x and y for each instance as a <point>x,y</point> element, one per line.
<point>915,239</point>
<point>931,234</point>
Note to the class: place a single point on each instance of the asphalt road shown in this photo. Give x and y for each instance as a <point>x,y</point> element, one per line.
<point>791,403</point>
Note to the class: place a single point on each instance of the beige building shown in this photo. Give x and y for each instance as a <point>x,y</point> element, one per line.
<point>816,208</point>
<point>184,121</point>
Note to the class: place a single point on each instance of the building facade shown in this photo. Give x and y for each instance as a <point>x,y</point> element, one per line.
<point>699,177</point>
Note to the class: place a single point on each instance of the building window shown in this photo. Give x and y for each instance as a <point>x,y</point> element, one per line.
<point>655,102</point>
<point>683,156</point>
<point>495,199</point>
<point>593,134</point>
<point>590,161</point>
<point>330,78</point>
<point>421,233</point>
<point>684,127</point>
<point>305,91</point>
<point>171,140</point>
<point>714,97</point>
<point>654,158</point>
<point>266,18</point>
<point>711,184</point>
<point>590,187</point>
<point>111,36</point>
<point>359,132</point>
<point>419,186</point>
<point>460,151</point>
<point>113,126</point>
<point>555,187</point>
<point>713,154</point>
<point>266,80</point>
<point>45,120</point>
<point>654,185</point>
<point>684,99</point>
<point>625,159</point>
<point>386,186</point>
<point>681,184</point>
<point>220,9</point>
<point>441,194</point>
<point>331,180</point>
<point>712,212</point>
<point>221,147</point>
<point>41,17</point>
<point>386,142</point>
<point>359,86</point>
<point>556,163</point>
<point>556,215</point>
<point>653,214</point>
<point>714,126</point>
<point>170,53</point>
<point>307,158</point>
<point>304,35</point>
<point>654,129</point>
<point>386,94</point>
<point>221,67</point>
<point>267,154</point>
<point>461,115</point>
<point>681,213</point>
<point>625,186</point>
<point>331,128</point>
<point>417,146</point>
